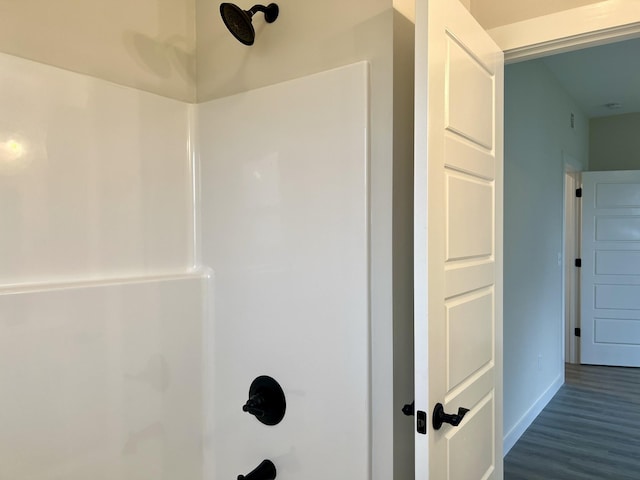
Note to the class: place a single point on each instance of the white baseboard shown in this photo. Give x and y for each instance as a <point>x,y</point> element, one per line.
<point>527,419</point>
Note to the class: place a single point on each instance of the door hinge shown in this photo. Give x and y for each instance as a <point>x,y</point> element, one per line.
<point>578,262</point>
<point>577,331</point>
<point>579,192</point>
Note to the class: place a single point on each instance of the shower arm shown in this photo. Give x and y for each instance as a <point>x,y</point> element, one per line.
<point>255,9</point>
<point>270,12</point>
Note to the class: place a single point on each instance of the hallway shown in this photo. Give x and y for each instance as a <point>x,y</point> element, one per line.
<point>590,430</point>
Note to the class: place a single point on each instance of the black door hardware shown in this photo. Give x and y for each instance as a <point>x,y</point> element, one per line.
<point>421,417</point>
<point>265,471</point>
<point>421,422</point>
<point>439,417</point>
<point>409,409</point>
<point>266,401</point>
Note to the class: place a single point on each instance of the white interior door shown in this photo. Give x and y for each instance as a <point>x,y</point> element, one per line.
<point>458,243</point>
<point>610,274</point>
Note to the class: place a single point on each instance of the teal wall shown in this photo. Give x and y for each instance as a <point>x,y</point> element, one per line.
<point>538,139</point>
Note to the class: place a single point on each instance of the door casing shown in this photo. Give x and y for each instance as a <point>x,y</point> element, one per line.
<point>571,251</point>
<point>596,24</point>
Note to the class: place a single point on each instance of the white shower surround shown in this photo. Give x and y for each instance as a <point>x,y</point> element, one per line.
<point>103,381</point>
<point>107,333</point>
<point>284,172</point>
<point>103,186</point>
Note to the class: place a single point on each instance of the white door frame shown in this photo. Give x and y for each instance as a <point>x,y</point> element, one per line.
<point>571,247</point>
<point>596,24</point>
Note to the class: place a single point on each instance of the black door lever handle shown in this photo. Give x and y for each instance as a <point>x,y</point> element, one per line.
<point>409,409</point>
<point>439,417</point>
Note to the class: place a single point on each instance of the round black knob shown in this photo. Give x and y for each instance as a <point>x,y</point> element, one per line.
<point>265,471</point>
<point>266,401</point>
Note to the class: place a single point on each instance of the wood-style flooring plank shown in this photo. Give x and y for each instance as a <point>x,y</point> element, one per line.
<point>590,430</point>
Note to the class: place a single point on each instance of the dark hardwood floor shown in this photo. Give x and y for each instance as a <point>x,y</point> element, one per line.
<point>589,430</point>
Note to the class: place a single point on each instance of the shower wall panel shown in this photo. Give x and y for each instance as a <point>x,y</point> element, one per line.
<point>285,228</point>
<point>102,382</point>
<point>95,178</point>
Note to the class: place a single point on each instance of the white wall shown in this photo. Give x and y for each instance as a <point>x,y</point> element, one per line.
<point>403,378</point>
<point>306,38</point>
<point>537,136</point>
<point>614,142</point>
<point>147,44</point>
<point>494,13</point>
<point>285,223</point>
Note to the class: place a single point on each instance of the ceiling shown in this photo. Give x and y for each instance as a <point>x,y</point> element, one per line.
<point>600,75</point>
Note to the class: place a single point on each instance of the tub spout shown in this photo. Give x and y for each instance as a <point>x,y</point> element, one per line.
<point>265,471</point>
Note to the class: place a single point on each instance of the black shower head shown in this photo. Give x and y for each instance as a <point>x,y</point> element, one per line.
<point>238,21</point>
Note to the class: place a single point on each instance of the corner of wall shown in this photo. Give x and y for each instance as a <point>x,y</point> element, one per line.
<point>614,143</point>
<point>514,434</point>
<point>146,45</point>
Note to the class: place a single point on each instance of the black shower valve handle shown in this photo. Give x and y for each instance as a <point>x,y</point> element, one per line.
<point>266,401</point>
<point>255,405</point>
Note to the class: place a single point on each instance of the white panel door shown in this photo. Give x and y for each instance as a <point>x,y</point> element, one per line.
<point>610,276</point>
<point>458,244</point>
